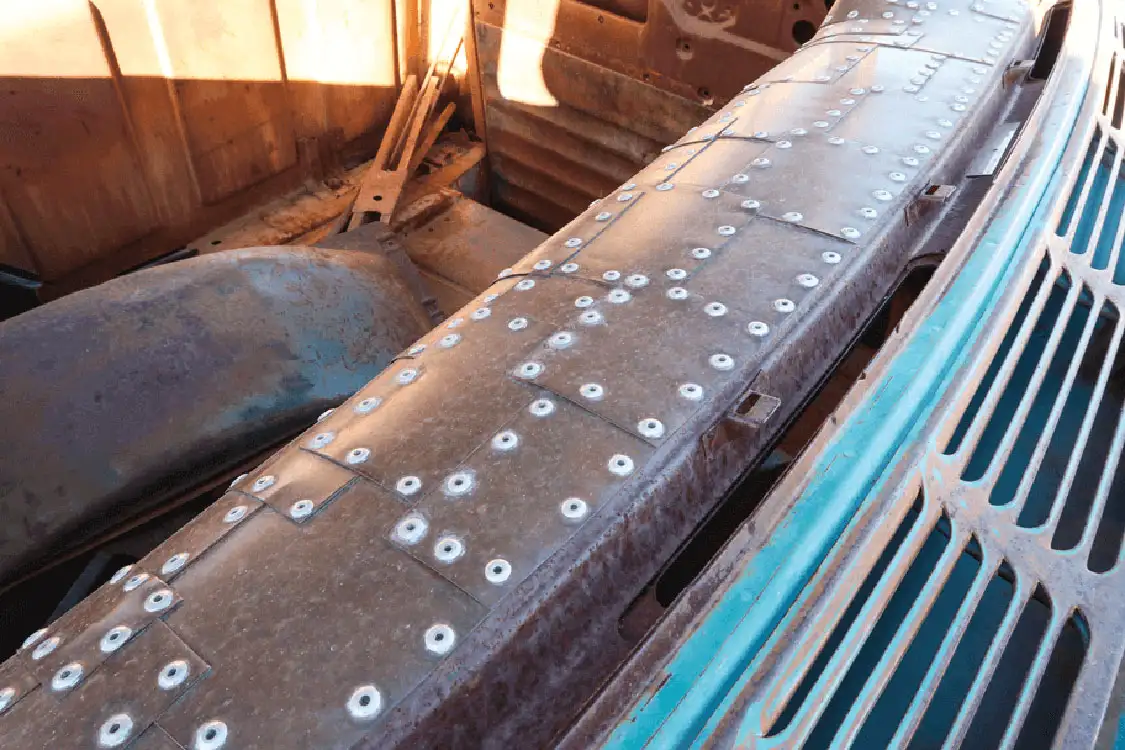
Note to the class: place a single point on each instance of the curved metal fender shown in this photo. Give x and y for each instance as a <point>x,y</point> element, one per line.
<point>115,397</point>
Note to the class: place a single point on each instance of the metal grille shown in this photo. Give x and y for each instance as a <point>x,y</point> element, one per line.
<point>995,596</point>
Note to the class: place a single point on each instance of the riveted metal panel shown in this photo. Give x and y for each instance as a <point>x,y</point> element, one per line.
<point>822,63</point>
<point>119,603</point>
<point>297,475</point>
<point>16,681</point>
<point>129,686</point>
<point>200,534</point>
<point>518,510</point>
<point>155,738</point>
<point>299,617</point>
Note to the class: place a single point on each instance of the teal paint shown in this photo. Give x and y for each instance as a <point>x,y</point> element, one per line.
<point>714,665</point>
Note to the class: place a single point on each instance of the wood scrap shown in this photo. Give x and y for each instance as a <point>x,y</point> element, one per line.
<point>410,134</point>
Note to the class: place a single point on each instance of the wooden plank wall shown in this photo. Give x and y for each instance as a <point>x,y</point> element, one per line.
<point>129,127</point>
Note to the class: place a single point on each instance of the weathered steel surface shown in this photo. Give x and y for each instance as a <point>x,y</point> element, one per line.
<point>125,394</point>
<point>972,593</point>
<point>522,472</point>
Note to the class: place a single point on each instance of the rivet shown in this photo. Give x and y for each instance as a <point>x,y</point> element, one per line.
<point>490,298</point>
<point>67,677</point>
<point>37,636</point>
<point>710,193</point>
<point>45,648</point>
<point>850,232</point>
<point>410,529</point>
<point>574,508</point>
<point>676,274</point>
<point>583,301</point>
<point>798,131</point>
<point>115,731</point>
<point>524,284</point>
<point>322,416</point>
<point>757,328</point>
<point>560,340</point>
<point>636,280</point>
<point>629,185</point>
<point>920,148</point>
<point>721,361</point>
<point>505,273</point>
<point>677,292</point>
<point>784,144</point>
<point>365,702</point>
<point>414,351</point>
<point>715,309</point>
<point>761,162</point>
<point>568,267</point>
<point>830,257</point>
<point>673,166</point>
<point>505,441</point>
<point>574,242</point>
<point>620,464</point>
<point>263,483</point>
<point>792,216</point>
<point>726,230</point>
<point>834,113</point>
<point>517,324</point>
<point>408,485</point>
<point>625,197</point>
<point>439,639</point>
<point>763,134</point>
<point>783,305</point>
<point>751,204</point>
<point>740,178</point>
<point>910,161</point>
<point>114,639</point>
<point>933,134</point>
<point>480,313</point>
<point>857,92</point>
<point>807,280</point>
<point>820,124</point>
<point>592,391</point>
<point>590,318</point>
<point>210,735</point>
<point>888,14</point>
<point>619,296</point>
<point>368,405</point>
<point>448,548</point>
<point>135,582</point>
<point>497,571</point>
<point>301,509</point>
<point>691,391</point>
<point>174,563</point>
<point>321,439</point>
<point>173,674</point>
<point>878,88</point>
<point>541,407</point>
<point>897,177</point>
<point>957,107</point>
<point>235,514</point>
<point>159,600</point>
<point>542,265</point>
<point>407,376</point>
<point>357,456</point>
<point>868,213</point>
<point>459,483</point>
<point>870,150</point>
<point>822,78</point>
<point>603,216</point>
<point>664,186</point>
<point>882,195</point>
<point>611,275</point>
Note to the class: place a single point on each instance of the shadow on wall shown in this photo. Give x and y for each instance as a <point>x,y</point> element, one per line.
<point>129,127</point>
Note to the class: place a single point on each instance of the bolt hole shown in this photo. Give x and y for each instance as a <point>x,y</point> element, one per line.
<point>410,527</point>
<point>365,701</point>
<point>114,728</point>
<point>378,197</point>
<point>803,31</point>
<point>447,548</point>
<point>210,734</point>
<point>216,242</point>
<point>497,569</point>
<point>601,19</point>
<point>439,636</point>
